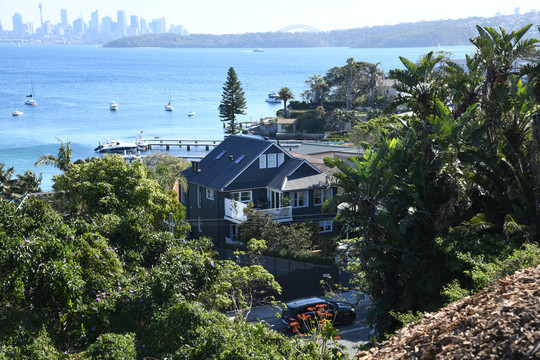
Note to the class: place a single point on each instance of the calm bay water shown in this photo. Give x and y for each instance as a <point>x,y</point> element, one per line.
<point>73,86</point>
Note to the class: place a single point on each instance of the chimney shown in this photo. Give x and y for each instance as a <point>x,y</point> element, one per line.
<point>195,166</point>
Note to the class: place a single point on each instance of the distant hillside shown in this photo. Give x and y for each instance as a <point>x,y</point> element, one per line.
<point>426,33</point>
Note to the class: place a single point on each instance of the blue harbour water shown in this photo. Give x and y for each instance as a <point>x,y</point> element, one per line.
<point>74,84</point>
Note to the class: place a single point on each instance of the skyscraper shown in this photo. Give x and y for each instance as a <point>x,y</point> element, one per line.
<point>18,26</point>
<point>63,18</point>
<point>106,25</point>
<point>94,25</point>
<point>144,27</point>
<point>122,22</point>
<point>79,27</point>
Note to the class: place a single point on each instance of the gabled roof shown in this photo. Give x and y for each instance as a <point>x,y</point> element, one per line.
<point>229,159</point>
<point>223,165</point>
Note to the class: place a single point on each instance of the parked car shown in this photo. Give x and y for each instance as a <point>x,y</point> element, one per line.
<point>299,313</point>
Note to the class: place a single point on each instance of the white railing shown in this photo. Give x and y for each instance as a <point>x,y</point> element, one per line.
<point>234,211</point>
<point>279,214</point>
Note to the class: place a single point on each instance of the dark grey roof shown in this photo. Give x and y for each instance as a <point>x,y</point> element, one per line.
<point>217,173</point>
<point>219,169</point>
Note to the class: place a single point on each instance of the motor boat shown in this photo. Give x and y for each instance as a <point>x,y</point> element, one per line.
<point>16,113</point>
<point>113,106</point>
<point>273,98</point>
<point>116,146</point>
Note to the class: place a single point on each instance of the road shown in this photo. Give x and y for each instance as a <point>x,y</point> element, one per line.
<point>351,335</point>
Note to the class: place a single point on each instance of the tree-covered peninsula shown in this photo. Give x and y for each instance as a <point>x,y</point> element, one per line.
<point>425,33</point>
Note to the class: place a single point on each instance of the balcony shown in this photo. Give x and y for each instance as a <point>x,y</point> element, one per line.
<point>234,211</point>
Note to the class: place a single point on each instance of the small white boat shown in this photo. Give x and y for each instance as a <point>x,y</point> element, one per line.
<point>257,50</point>
<point>16,113</point>
<point>113,106</point>
<point>191,113</point>
<point>169,107</point>
<point>29,100</point>
<point>116,146</point>
<point>273,98</point>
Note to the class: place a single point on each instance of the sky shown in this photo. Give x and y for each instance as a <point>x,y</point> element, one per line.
<point>244,16</point>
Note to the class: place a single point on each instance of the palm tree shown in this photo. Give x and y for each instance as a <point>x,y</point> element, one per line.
<point>62,161</point>
<point>318,86</point>
<point>5,179</point>
<point>285,94</point>
<point>374,75</point>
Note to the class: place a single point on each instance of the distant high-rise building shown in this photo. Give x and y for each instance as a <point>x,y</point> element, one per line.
<point>94,25</point>
<point>516,10</point>
<point>63,18</point>
<point>29,28</point>
<point>47,28</point>
<point>122,22</point>
<point>106,25</point>
<point>1,28</point>
<point>18,26</point>
<point>134,22</point>
<point>144,27</point>
<point>79,27</point>
<point>158,26</point>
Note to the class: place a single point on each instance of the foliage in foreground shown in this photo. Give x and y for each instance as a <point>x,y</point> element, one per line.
<point>72,289</point>
<point>448,200</point>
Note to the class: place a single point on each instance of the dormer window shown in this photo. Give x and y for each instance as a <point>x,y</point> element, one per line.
<point>262,161</point>
<point>272,162</point>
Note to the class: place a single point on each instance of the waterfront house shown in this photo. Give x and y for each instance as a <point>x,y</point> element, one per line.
<point>244,169</point>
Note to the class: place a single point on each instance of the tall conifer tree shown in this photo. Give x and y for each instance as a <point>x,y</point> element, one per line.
<point>232,102</point>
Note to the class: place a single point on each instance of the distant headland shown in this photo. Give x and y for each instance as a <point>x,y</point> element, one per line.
<point>419,34</point>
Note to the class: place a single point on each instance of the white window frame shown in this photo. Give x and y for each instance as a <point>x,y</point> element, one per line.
<point>262,161</point>
<point>199,224</point>
<point>280,159</point>
<point>295,199</point>
<point>325,226</point>
<point>325,195</point>
<point>272,161</point>
<point>242,196</point>
<point>210,194</point>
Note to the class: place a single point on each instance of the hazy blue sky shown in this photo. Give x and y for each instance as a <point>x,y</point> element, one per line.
<point>240,16</point>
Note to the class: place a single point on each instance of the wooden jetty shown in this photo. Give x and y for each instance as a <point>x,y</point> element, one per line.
<point>158,142</point>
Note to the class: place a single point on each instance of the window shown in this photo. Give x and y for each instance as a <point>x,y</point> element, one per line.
<point>321,195</point>
<point>299,199</point>
<point>210,194</point>
<point>280,159</point>
<point>262,161</point>
<point>240,158</point>
<point>242,196</point>
<point>220,155</point>
<point>325,226</point>
<point>199,196</point>
<point>199,224</point>
<point>272,160</point>
<point>182,193</point>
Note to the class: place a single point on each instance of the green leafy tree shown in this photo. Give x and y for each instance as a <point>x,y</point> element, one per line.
<point>233,102</point>
<point>166,169</point>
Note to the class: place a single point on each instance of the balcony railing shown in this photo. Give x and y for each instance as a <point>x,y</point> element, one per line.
<point>234,211</point>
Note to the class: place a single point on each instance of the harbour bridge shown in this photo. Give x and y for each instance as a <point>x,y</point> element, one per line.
<point>292,28</point>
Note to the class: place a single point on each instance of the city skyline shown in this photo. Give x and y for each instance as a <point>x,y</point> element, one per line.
<point>241,16</point>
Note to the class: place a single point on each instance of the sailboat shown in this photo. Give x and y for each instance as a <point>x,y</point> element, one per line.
<point>169,107</point>
<point>30,98</point>
<point>190,113</point>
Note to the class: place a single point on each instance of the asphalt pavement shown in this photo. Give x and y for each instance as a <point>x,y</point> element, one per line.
<point>351,335</point>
